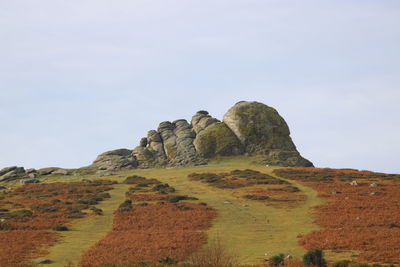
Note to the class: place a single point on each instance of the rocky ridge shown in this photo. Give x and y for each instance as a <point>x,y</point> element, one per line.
<point>250,128</point>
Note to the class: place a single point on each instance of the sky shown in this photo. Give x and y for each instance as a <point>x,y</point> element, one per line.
<point>78,78</point>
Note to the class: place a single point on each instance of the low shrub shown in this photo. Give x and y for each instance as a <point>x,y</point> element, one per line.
<point>166,260</point>
<point>314,257</point>
<point>96,211</point>
<point>60,228</point>
<point>344,263</point>
<point>5,226</point>
<point>277,260</point>
<point>215,254</point>
<point>125,206</point>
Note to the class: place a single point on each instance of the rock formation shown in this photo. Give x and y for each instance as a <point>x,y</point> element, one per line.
<point>115,159</point>
<point>248,128</point>
<point>259,127</point>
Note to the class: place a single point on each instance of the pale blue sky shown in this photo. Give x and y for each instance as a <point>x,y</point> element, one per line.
<point>78,78</point>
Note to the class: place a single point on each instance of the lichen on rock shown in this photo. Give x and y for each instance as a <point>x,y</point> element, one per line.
<point>248,127</point>
<point>217,140</point>
<point>259,127</point>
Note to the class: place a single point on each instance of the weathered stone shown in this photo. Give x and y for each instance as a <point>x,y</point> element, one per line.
<point>30,181</point>
<point>41,261</point>
<point>166,131</point>
<point>12,174</point>
<point>217,140</point>
<point>156,146</point>
<point>143,142</point>
<point>249,127</point>
<point>7,169</point>
<point>259,127</point>
<point>178,143</point>
<point>115,159</point>
<point>28,171</point>
<point>47,171</point>
<point>144,157</point>
<point>61,171</point>
<point>202,120</point>
<point>33,175</point>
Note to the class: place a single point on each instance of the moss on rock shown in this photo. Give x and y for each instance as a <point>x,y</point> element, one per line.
<point>259,127</point>
<point>217,140</point>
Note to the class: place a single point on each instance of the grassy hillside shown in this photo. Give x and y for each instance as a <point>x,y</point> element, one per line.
<point>254,228</point>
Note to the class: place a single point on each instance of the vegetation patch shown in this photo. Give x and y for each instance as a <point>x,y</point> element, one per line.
<point>360,213</point>
<point>150,233</point>
<point>29,213</point>
<point>152,190</point>
<point>329,175</point>
<point>236,179</point>
<point>279,195</point>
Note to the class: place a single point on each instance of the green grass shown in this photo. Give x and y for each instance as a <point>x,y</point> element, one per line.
<point>87,231</point>
<point>249,228</point>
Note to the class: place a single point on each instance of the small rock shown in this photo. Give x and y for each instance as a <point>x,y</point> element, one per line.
<point>41,261</point>
<point>373,185</point>
<point>61,172</point>
<point>47,171</point>
<point>354,183</point>
<point>30,181</point>
<point>33,175</point>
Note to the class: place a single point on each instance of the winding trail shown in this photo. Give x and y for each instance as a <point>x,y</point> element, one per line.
<point>86,231</point>
<point>250,228</point>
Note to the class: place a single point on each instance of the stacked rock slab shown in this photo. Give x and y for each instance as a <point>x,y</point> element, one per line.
<point>178,139</point>
<point>247,128</point>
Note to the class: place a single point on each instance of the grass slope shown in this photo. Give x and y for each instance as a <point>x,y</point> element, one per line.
<point>86,232</point>
<point>250,228</point>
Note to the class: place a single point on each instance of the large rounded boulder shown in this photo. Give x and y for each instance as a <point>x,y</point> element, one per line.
<point>259,127</point>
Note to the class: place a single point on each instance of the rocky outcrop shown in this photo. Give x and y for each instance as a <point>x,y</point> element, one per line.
<point>115,159</point>
<point>259,127</point>
<point>12,173</point>
<point>247,128</point>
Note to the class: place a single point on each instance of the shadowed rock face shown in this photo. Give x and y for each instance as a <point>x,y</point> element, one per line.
<point>247,127</point>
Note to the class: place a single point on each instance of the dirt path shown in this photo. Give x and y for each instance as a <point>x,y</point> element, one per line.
<point>86,232</point>
<point>250,228</point>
